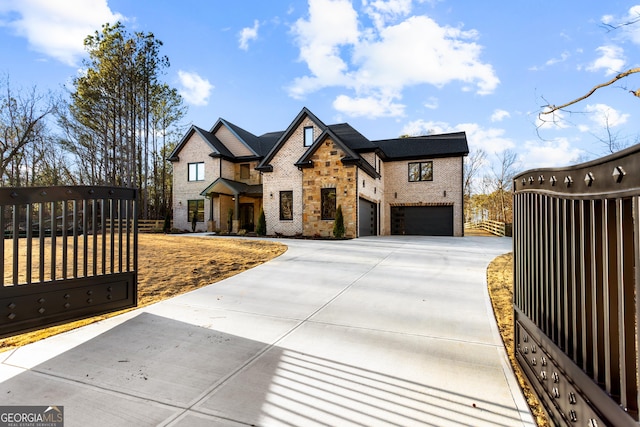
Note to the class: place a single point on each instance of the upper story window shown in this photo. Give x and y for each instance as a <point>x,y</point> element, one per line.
<point>422,171</point>
<point>196,171</point>
<point>308,136</point>
<point>245,171</point>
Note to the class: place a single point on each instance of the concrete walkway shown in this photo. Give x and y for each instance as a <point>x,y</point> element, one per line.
<point>366,332</point>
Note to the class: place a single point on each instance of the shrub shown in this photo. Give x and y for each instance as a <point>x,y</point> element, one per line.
<point>262,224</point>
<point>338,224</point>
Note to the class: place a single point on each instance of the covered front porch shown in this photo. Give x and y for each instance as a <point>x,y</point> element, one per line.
<point>234,205</point>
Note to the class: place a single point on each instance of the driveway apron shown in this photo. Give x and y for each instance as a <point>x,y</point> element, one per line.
<point>379,331</point>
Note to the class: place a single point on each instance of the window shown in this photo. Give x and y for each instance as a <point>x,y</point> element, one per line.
<point>196,171</point>
<point>422,171</point>
<point>196,206</point>
<point>308,136</point>
<point>328,202</point>
<point>286,205</point>
<point>244,171</point>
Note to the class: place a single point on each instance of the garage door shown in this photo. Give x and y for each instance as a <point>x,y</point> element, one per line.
<point>368,218</point>
<point>422,220</point>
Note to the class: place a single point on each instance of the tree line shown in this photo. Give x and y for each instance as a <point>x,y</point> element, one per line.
<point>116,125</point>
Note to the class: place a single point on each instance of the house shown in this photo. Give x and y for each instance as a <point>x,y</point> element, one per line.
<point>299,176</point>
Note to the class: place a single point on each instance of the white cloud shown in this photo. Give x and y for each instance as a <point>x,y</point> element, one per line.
<point>387,58</point>
<point>499,115</point>
<point>563,57</point>
<point>247,34</point>
<point>195,90</point>
<point>491,140</point>
<point>331,24</point>
<point>611,60</point>
<point>631,32</point>
<point>57,28</point>
<point>382,12</point>
<point>542,154</point>
<point>432,103</point>
<point>605,116</point>
<point>370,106</point>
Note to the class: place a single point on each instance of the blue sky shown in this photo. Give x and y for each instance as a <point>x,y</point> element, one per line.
<point>387,67</point>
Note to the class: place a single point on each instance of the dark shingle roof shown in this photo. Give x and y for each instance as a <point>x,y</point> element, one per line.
<point>444,145</point>
<point>352,138</point>
<point>267,141</point>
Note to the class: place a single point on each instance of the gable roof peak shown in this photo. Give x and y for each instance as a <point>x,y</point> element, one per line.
<point>304,113</point>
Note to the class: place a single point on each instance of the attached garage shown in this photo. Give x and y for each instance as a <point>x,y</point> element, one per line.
<point>422,220</point>
<point>367,218</point>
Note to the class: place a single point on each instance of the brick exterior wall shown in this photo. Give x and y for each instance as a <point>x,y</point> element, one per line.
<point>286,177</point>
<point>329,172</point>
<point>447,176</point>
<point>350,182</point>
<point>194,151</point>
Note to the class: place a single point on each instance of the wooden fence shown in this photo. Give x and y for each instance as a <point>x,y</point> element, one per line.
<point>494,227</point>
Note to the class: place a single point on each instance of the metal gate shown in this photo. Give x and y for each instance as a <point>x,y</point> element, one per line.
<point>576,258</point>
<point>68,252</point>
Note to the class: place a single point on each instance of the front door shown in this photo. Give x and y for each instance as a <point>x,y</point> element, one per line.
<point>246,216</point>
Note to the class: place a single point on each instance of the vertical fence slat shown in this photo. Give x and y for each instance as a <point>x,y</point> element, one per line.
<point>573,324</point>
<point>41,235</point>
<point>29,242</point>
<point>54,234</point>
<point>635,291</point>
<point>85,240</point>
<point>94,230</point>
<point>65,242</point>
<point>105,224</point>
<point>3,228</point>
<point>112,205</point>
<point>74,203</point>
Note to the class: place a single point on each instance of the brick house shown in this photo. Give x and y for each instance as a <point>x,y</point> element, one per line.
<point>226,176</point>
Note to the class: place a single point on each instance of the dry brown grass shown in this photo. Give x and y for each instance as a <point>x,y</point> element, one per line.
<point>169,265</point>
<point>500,282</point>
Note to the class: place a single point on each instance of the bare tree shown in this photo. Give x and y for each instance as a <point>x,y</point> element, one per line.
<point>502,180</point>
<point>22,123</point>
<point>472,165</point>
<point>549,109</point>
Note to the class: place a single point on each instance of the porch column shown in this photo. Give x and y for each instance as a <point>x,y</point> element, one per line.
<point>236,213</point>
<point>211,225</point>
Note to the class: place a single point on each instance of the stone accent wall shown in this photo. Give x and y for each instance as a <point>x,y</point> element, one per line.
<point>194,151</point>
<point>286,177</point>
<point>447,177</point>
<point>329,172</point>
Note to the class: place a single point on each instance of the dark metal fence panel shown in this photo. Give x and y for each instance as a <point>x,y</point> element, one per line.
<point>576,248</point>
<point>68,253</point>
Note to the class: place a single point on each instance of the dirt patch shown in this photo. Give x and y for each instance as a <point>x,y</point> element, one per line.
<point>500,283</point>
<point>169,265</point>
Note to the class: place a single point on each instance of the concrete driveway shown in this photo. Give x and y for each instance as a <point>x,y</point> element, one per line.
<point>365,332</point>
